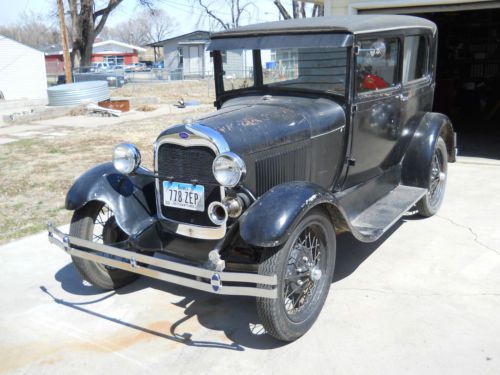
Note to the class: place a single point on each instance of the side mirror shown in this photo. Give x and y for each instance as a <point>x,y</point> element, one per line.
<point>378,49</point>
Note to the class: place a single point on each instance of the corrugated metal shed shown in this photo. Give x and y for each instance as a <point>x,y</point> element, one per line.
<point>22,71</point>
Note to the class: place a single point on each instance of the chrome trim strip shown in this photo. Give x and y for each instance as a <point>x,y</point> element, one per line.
<point>328,132</point>
<point>134,266</point>
<point>201,136</point>
<point>212,135</point>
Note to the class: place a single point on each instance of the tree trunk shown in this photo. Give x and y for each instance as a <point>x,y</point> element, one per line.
<point>84,18</point>
<point>85,36</point>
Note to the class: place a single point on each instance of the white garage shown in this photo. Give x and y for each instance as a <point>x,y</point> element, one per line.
<point>22,71</point>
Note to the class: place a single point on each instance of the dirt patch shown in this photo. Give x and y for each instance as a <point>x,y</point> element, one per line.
<point>170,92</point>
<point>36,173</point>
<point>146,108</point>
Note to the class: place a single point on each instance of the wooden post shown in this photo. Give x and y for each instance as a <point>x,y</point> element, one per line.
<point>64,39</point>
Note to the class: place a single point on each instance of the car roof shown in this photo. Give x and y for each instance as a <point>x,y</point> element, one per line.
<point>357,24</point>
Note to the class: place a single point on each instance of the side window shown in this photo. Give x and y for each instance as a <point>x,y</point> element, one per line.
<point>377,64</point>
<point>416,56</point>
<point>224,56</point>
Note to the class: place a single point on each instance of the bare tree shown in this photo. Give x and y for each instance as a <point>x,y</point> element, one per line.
<point>148,26</point>
<point>32,29</point>
<point>226,14</point>
<point>299,9</point>
<point>88,18</point>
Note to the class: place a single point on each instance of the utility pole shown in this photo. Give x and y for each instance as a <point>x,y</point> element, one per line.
<point>64,38</point>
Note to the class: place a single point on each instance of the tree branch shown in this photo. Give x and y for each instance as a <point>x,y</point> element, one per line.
<point>212,14</point>
<point>104,13</point>
<point>282,9</point>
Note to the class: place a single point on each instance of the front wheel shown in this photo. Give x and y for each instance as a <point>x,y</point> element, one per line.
<point>438,173</point>
<point>304,266</point>
<point>96,222</point>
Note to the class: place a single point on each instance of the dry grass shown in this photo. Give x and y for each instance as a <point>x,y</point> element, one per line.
<point>170,92</point>
<point>36,173</point>
<point>146,108</point>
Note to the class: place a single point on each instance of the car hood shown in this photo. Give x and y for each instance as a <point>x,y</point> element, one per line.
<point>255,123</point>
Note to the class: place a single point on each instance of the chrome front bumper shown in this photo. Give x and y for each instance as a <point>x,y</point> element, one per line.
<point>201,278</point>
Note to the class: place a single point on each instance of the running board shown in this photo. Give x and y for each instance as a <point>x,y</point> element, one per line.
<point>373,222</point>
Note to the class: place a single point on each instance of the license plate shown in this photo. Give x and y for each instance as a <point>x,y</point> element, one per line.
<point>186,196</point>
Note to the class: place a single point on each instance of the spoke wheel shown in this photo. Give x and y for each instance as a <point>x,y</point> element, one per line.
<point>304,266</point>
<point>304,270</point>
<point>438,173</point>
<point>96,222</point>
<point>107,232</point>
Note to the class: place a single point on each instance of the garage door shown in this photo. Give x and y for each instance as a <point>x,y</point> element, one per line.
<point>430,8</point>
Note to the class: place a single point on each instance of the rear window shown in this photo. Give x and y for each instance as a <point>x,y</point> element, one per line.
<point>416,57</point>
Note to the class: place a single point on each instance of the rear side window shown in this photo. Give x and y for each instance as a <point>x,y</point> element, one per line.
<point>416,57</point>
<point>377,64</point>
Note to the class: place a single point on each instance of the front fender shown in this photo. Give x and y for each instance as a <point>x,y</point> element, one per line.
<point>271,219</point>
<point>418,157</point>
<point>132,198</point>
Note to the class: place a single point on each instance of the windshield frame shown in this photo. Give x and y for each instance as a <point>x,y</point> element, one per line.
<point>337,40</point>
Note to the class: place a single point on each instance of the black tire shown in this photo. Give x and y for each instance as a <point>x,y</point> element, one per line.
<point>432,200</point>
<point>82,226</point>
<point>278,316</point>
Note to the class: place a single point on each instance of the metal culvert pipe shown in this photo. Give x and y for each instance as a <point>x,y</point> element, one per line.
<point>78,93</point>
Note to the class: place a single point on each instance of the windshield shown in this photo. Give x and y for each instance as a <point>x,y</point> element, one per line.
<point>297,68</point>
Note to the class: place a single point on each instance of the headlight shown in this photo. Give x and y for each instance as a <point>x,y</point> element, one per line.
<point>126,158</point>
<point>229,169</point>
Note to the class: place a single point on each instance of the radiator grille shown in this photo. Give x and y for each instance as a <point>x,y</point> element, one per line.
<point>185,164</point>
<point>281,167</point>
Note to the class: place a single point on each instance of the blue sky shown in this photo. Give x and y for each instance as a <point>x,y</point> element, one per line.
<point>181,10</point>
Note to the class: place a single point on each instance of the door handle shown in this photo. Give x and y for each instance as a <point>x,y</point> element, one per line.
<point>403,98</point>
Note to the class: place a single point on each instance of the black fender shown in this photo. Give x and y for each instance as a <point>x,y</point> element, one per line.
<point>131,197</point>
<point>418,156</point>
<point>269,221</point>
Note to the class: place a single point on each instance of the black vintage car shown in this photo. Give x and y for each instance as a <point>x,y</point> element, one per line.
<point>329,128</point>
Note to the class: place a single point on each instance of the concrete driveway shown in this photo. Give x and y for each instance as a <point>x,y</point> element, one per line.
<point>423,300</point>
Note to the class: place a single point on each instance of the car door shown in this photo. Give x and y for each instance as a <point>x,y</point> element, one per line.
<point>418,89</point>
<point>376,109</point>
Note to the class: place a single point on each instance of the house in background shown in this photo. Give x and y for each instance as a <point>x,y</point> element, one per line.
<point>186,56</point>
<point>22,71</point>
<point>110,51</point>
<point>116,53</point>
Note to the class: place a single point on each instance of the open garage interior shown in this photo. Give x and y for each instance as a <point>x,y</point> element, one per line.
<point>468,71</point>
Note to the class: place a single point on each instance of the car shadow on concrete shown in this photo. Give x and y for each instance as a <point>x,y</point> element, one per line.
<point>235,316</point>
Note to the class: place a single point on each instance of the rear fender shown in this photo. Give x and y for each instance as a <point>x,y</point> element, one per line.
<point>132,197</point>
<point>418,157</point>
<point>271,219</point>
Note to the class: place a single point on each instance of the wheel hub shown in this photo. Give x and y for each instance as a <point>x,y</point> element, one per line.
<point>316,273</point>
<point>303,272</point>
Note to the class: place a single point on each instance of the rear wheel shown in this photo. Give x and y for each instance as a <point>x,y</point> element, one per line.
<point>96,222</point>
<point>430,202</point>
<point>304,266</point>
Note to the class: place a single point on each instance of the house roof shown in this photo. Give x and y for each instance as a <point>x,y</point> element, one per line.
<point>56,49</point>
<point>198,35</point>
<point>117,43</point>
<point>23,44</point>
<point>357,24</point>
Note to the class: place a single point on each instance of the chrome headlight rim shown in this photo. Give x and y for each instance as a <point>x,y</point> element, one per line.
<point>126,158</point>
<point>237,162</point>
